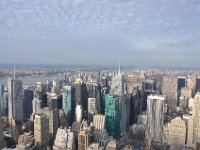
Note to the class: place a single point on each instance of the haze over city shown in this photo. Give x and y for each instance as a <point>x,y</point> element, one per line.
<point>147,33</point>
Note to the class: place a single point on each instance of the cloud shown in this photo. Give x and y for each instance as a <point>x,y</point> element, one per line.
<point>91,28</point>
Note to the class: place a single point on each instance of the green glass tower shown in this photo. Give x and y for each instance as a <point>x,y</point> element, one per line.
<point>112,115</point>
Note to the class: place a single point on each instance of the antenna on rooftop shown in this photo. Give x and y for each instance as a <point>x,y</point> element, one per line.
<point>14,72</point>
<point>119,65</point>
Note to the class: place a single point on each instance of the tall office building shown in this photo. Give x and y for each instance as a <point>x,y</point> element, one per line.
<point>104,91</point>
<point>92,90</point>
<point>196,118</point>
<point>83,140</point>
<point>115,110</point>
<point>15,101</point>
<point>170,90</point>
<point>41,129</point>
<point>79,113</point>
<point>197,84</point>
<point>81,97</point>
<point>155,117</point>
<point>37,105</point>
<point>191,83</point>
<point>1,96</point>
<point>27,103</point>
<point>112,115</point>
<point>1,131</point>
<point>53,118</point>
<point>52,102</point>
<point>3,100</point>
<point>92,108</point>
<point>65,139</point>
<point>181,82</point>
<point>99,122</point>
<point>69,102</point>
<point>175,133</point>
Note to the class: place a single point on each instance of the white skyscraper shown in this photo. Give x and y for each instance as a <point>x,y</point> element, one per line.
<point>155,117</point>
<point>99,122</point>
<point>15,101</point>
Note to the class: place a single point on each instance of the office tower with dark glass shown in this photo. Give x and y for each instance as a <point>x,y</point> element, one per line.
<point>15,101</point>
<point>155,117</point>
<point>27,103</point>
<point>3,100</point>
<point>69,102</point>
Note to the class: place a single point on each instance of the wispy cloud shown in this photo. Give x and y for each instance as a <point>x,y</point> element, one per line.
<point>89,29</point>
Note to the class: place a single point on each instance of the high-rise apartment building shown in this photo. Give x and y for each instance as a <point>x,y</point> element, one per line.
<point>15,101</point>
<point>155,117</point>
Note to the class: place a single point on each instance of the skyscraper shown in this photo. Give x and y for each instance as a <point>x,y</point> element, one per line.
<point>196,119</point>
<point>92,108</point>
<point>27,103</point>
<point>155,117</point>
<point>41,129</point>
<point>15,101</point>
<point>115,108</point>
<point>197,84</point>
<point>1,131</point>
<point>3,100</point>
<point>65,139</point>
<point>81,97</point>
<point>170,90</point>
<point>37,105</point>
<point>53,118</point>
<point>79,113</point>
<point>99,122</point>
<point>112,115</point>
<point>83,140</point>
<point>69,102</point>
<point>181,82</point>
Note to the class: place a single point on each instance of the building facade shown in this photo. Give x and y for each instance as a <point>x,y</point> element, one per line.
<point>15,101</point>
<point>155,117</point>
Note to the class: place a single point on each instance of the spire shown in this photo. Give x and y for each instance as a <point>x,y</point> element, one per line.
<point>119,72</point>
<point>14,72</point>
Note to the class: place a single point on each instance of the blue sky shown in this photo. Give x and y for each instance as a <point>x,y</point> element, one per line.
<point>142,32</point>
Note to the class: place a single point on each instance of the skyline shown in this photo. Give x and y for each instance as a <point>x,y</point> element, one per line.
<point>151,33</point>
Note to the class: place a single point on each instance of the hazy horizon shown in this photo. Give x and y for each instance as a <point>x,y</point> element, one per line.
<point>147,33</point>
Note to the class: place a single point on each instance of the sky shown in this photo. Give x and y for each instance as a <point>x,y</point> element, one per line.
<point>141,32</point>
